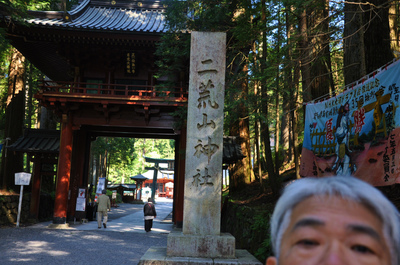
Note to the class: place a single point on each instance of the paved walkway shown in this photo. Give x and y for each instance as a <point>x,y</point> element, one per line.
<point>129,218</point>
<point>124,241</point>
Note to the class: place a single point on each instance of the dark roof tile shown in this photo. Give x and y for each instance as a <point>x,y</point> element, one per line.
<point>87,16</point>
<point>37,141</point>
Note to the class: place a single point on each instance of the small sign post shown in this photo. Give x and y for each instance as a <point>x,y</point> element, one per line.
<point>22,179</point>
<point>81,201</point>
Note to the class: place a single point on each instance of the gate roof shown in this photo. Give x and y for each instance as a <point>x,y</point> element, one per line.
<point>89,24</point>
<point>37,141</point>
<point>128,16</point>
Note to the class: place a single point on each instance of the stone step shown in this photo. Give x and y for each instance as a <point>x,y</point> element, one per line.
<point>158,256</point>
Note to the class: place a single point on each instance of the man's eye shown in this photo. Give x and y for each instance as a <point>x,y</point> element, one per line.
<point>362,249</point>
<point>307,242</point>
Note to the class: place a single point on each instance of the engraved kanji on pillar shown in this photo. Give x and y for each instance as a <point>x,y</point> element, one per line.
<point>203,172</point>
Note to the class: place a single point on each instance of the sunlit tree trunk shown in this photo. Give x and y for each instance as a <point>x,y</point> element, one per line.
<point>241,173</point>
<point>394,13</point>
<point>257,145</point>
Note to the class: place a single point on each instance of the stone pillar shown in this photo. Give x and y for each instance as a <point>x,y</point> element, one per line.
<point>201,236</point>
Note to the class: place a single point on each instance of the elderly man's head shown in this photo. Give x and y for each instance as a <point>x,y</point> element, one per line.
<point>334,220</point>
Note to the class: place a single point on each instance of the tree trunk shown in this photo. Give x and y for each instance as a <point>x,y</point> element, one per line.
<point>354,54</point>
<point>321,70</point>
<point>241,173</point>
<point>294,118</point>
<point>257,148</point>
<point>393,24</point>
<point>377,35</point>
<point>277,101</point>
<point>288,79</point>
<point>257,141</point>
<point>292,77</point>
<point>304,56</point>
<point>14,121</point>
<point>265,130</point>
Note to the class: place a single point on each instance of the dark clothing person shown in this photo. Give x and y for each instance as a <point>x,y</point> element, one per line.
<point>149,214</point>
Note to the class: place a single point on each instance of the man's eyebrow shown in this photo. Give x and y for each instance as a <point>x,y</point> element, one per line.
<point>363,229</point>
<point>307,222</point>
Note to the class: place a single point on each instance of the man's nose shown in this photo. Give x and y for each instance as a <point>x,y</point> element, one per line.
<point>333,255</point>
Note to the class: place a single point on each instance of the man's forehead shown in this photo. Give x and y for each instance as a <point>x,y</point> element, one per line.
<point>331,203</point>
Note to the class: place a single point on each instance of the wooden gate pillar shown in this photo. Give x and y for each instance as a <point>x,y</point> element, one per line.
<point>35,197</point>
<point>78,179</point>
<point>179,179</point>
<point>63,171</point>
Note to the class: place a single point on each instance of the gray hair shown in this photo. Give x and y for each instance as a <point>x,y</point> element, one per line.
<point>346,187</point>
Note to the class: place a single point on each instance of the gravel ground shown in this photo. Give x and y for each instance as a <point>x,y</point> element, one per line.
<point>28,245</point>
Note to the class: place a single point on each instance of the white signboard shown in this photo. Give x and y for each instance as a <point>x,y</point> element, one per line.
<point>80,204</point>
<point>101,185</point>
<point>22,178</point>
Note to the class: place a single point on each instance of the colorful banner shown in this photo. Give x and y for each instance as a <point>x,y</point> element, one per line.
<point>357,132</point>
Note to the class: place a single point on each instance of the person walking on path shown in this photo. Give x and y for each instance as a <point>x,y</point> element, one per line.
<point>149,214</point>
<point>103,207</point>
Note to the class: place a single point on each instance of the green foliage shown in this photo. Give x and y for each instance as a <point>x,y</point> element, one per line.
<point>181,115</point>
<point>92,197</point>
<point>205,15</point>
<point>126,155</point>
<point>109,193</point>
<point>173,53</point>
<point>17,9</point>
<point>5,52</point>
<point>261,223</point>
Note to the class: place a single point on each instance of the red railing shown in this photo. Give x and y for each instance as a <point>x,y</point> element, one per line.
<point>114,90</point>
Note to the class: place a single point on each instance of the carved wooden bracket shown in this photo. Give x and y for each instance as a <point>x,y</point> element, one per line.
<point>146,111</point>
<point>107,110</point>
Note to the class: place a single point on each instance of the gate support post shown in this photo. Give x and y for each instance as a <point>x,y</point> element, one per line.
<point>63,171</point>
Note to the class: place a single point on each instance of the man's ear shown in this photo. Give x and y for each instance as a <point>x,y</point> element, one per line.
<point>271,261</point>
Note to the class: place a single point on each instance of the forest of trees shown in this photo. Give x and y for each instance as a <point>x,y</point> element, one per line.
<point>280,55</point>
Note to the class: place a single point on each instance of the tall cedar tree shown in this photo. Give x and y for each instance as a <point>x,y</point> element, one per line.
<point>314,47</point>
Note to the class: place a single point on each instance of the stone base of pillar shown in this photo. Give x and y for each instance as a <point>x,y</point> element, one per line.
<point>209,246</point>
<point>158,256</point>
<point>58,226</point>
<point>59,220</point>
